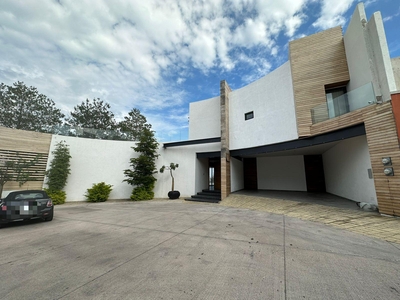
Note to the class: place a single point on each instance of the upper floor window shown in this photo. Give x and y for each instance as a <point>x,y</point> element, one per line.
<point>249,115</point>
<point>337,101</point>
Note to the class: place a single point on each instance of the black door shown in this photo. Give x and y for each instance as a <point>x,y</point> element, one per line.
<point>315,177</point>
<point>250,173</point>
<point>215,163</point>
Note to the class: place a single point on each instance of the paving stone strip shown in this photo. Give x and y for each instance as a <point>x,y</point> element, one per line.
<point>362,222</point>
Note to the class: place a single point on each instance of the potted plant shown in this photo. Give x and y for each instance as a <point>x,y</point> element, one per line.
<point>172,194</point>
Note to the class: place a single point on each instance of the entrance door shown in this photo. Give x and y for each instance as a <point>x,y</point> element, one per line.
<point>315,177</point>
<point>250,173</point>
<point>214,166</point>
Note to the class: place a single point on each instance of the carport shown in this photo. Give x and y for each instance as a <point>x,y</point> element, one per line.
<point>329,168</point>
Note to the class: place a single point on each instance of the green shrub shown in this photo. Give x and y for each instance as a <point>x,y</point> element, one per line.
<point>60,167</point>
<point>142,193</point>
<point>58,197</point>
<point>99,192</point>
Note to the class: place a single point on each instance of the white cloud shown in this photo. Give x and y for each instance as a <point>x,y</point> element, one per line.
<point>292,24</point>
<point>389,18</point>
<point>135,53</point>
<point>203,52</point>
<point>332,13</point>
<point>369,2</point>
<point>180,80</point>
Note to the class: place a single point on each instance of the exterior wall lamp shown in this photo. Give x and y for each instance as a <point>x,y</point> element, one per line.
<point>387,161</point>
<point>388,171</point>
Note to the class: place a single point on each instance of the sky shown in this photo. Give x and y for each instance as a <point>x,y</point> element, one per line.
<point>160,55</point>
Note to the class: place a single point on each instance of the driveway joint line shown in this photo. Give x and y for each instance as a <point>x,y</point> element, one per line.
<point>284,257</point>
<point>397,246</point>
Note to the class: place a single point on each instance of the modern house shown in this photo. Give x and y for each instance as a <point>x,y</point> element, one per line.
<point>327,120</point>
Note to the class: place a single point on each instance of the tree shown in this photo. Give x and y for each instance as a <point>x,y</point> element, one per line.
<point>17,169</point>
<point>132,125</point>
<point>143,167</point>
<point>57,174</point>
<point>170,168</point>
<point>93,118</point>
<point>24,108</point>
<point>59,170</point>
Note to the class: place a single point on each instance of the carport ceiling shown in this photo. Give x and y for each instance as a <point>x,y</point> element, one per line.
<point>312,150</point>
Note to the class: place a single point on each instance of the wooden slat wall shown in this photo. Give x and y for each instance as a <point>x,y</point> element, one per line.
<point>25,144</point>
<point>316,61</point>
<point>37,171</point>
<point>29,185</point>
<point>346,120</point>
<point>22,140</point>
<point>383,142</point>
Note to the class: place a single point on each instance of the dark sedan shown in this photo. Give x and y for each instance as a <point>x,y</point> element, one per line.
<point>26,205</point>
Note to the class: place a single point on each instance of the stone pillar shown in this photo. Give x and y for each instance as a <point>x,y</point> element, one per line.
<point>225,156</point>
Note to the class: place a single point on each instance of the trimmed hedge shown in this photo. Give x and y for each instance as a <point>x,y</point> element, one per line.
<point>142,193</point>
<point>99,192</point>
<point>58,197</point>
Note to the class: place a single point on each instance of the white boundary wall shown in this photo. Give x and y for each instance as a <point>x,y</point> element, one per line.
<point>284,173</point>
<point>94,161</point>
<point>272,101</point>
<point>346,170</point>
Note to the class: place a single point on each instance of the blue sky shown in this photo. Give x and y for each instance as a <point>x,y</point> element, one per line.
<point>159,56</point>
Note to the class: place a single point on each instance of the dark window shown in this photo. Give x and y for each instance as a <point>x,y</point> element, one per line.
<point>337,101</point>
<point>249,115</point>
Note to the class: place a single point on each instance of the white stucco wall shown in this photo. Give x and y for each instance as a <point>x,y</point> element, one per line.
<point>94,161</point>
<point>186,181</point>
<point>396,71</point>
<point>285,173</point>
<point>356,51</point>
<point>237,180</point>
<point>367,53</point>
<point>205,119</point>
<point>346,170</point>
<point>381,56</point>
<point>271,99</point>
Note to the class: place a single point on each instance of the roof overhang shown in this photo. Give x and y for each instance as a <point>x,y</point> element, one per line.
<point>317,140</point>
<point>192,142</point>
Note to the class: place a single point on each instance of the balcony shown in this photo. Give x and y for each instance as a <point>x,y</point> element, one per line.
<point>343,104</point>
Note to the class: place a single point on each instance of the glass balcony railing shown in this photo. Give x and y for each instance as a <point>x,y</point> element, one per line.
<point>178,134</point>
<point>353,100</point>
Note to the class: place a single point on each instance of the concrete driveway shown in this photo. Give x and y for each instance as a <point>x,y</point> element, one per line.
<point>177,250</point>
